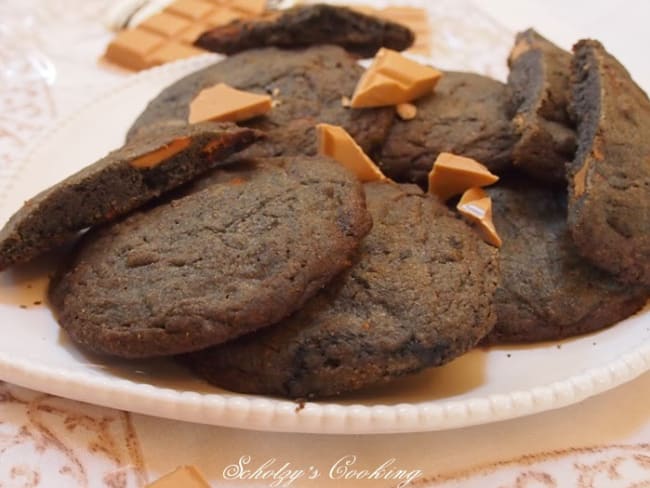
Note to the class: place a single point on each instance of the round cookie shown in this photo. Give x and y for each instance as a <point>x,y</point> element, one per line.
<point>307,86</point>
<point>212,265</point>
<point>419,294</point>
<point>547,290</point>
<point>466,115</point>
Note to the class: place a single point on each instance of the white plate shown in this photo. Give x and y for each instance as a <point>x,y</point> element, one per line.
<point>482,386</point>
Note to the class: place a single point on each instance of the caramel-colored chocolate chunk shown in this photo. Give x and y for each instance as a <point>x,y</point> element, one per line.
<point>191,9</point>
<point>476,205</point>
<point>223,16</point>
<point>393,79</point>
<point>131,48</point>
<point>172,51</point>
<point>165,24</point>
<point>252,7</point>
<point>188,36</point>
<point>452,175</point>
<point>169,35</point>
<point>223,103</point>
<point>156,157</point>
<point>336,143</point>
<point>183,477</point>
<point>406,111</point>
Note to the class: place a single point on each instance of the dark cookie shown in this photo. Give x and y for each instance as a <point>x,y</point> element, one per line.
<point>212,265</point>
<point>539,95</point>
<point>466,115</point>
<point>307,86</point>
<point>609,180</point>
<point>419,294</point>
<point>547,290</point>
<point>114,186</point>
<point>309,25</point>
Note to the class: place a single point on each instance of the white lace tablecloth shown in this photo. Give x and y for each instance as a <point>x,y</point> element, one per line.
<point>48,67</point>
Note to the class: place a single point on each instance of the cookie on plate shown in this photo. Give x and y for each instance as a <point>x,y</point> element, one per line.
<point>308,25</point>
<point>116,184</point>
<point>214,264</point>
<point>548,291</point>
<point>466,115</point>
<point>609,180</point>
<point>307,87</point>
<point>419,294</point>
<point>540,90</point>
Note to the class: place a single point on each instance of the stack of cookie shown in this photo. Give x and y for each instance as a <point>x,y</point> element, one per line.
<point>270,268</point>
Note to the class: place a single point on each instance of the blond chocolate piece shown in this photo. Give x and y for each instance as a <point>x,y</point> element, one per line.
<point>191,34</point>
<point>336,143</point>
<point>452,175</point>
<point>170,34</point>
<point>191,9</point>
<point>223,103</point>
<point>172,51</point>
<point>222,16</point>
<point>165,24</point>
<point>392,79</point>
<point>154,158</point>
<point>252,7</point>
<point>183,477</point>
<point>406,111</point>
<point>130,48</point>
<point>476,205</point>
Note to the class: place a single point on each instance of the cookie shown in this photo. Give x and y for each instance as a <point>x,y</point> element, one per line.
<point>419,294</point>
<point>539,88</point>
<point>307,87</point>
<point>212,265</point>
<point>466,115</point>
<point>609,180</point>
<point>547,290</point>
<point>116,184</point>
<point>308,25</point>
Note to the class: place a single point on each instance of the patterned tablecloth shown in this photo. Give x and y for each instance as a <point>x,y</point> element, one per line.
<point>48,68</point>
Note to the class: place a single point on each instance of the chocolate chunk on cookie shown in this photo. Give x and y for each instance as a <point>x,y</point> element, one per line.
<point>308,25</point>
<point>194,272</point>
<point>419,294</point>
<point>116,184</point>
<point>539,87</point>
<point>547,290</point>
<point>307,87</point>
<point>609,180</point>
<point>466,115</point>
